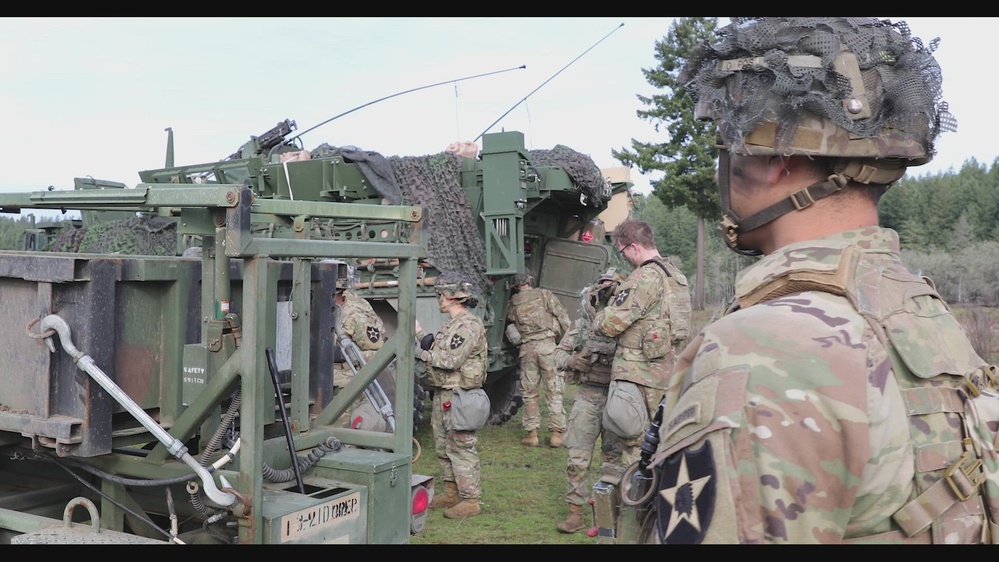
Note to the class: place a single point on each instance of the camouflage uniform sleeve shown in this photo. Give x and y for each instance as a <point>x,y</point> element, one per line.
<point>358,320</point>
<point>353,323</point>
<point>568,346</point>
<point>561,314</point>
<point>630,303</point>
<point>456,345</point>
<point>786,425</point>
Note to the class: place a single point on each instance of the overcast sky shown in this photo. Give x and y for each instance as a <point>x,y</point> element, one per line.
<point>93,96</point>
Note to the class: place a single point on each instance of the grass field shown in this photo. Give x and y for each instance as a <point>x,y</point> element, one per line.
<point>523,490</point>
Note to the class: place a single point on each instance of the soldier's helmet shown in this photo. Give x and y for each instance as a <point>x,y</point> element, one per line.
<point>612,274</point>
<point>346,281</point>
<point>522,278</point>
<point>599,292</point>
<point>860,90</point>
<point>454,286</point>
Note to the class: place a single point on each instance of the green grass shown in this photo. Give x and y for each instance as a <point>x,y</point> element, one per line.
<point>523,490</point>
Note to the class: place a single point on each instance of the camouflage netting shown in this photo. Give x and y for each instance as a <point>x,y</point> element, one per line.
<point>758,81</point>
<point>433,182</point>
<point>454,242</point>
<point>146,236</point>
<point>580,167</point>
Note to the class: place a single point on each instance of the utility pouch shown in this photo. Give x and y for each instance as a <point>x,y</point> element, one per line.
<point>469,409</point>
<point>625,413</point>
<point>656,341</point>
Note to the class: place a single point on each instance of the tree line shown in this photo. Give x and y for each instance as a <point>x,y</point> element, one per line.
<point>948,226</point>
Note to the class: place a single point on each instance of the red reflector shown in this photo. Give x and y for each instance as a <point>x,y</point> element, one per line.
<point>655,336</point>
<point>421,500</point>
<point>592,532</point>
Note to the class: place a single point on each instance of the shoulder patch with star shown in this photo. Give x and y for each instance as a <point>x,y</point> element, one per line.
<point>622,297</point>
<point>686,499</point>
<point>373,334</point>
<point>456,341</point>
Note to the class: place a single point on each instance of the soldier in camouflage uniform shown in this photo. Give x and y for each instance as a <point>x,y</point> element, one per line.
<point>364,327</point>
<point>457,358</point>
<point>586,358</point>
<point>649,316</point>
<point>540,320</point>
<point>826,404</point>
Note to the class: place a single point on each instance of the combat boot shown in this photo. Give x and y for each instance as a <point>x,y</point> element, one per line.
<point>574,522</point>
<point>556,439</point>
<point>449,498</point>
<point>531,440</point>
<point>468,507</point>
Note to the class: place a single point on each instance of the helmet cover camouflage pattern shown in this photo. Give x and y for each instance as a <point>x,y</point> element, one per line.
<point>454,285</point>
<point>522,278</point>
<point>858,88</point>
<point>346,281</point>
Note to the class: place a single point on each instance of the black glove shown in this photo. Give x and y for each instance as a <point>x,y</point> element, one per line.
<point>427,341</point>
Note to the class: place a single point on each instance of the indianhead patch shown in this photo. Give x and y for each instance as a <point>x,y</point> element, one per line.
<point>686,499</point>
<point>373,334</point>
<point>456,341</point>
<point>621,297</point>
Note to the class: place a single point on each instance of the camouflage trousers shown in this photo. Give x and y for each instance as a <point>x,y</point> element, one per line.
<point>633,447</point>
<point>537,364</point>
<point>585,427</point>
<point>455,450</point>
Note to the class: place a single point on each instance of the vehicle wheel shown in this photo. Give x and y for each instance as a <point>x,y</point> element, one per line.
<point>504,397</point>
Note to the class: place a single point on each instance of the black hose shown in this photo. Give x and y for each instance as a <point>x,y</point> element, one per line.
<point>272,365</point>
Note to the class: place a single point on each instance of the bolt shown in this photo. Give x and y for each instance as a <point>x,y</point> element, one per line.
<point>230,197</point>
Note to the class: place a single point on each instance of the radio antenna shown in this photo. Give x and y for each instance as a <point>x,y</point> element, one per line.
<point>545,82</point>
<point>399,94</point>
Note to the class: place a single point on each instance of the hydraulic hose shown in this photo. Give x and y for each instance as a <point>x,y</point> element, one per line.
<point>177,449</point>
<point>272,366</point>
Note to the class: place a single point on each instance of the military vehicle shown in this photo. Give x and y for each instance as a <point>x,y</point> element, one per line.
<point>488,213</point>
<point>175,343</point>
<point>167,399</point>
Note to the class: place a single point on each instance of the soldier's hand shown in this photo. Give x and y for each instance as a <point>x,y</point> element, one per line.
<point>421,353</point>
<point>579,362</point>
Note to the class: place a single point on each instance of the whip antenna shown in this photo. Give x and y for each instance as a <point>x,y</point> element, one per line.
<point>401,93</point>
<point>545,82</point>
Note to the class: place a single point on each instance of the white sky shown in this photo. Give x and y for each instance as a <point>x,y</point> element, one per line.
<point>92,96</point>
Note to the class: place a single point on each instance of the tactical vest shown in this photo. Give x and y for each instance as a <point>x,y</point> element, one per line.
<point>531,315</point>
<point>947,497</point>
<point>601,350</point>
<point>675,307</point>
<point>471,373</point>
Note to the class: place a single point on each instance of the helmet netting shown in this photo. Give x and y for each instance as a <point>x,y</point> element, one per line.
<point>902,78</point>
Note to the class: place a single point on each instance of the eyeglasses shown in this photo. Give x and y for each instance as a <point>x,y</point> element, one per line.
<point>622,249</point>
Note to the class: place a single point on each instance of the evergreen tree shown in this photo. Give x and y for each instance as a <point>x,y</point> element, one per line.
<point>687,157</point>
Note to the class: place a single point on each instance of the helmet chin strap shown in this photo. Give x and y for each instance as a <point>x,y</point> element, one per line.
<point>732,225</point>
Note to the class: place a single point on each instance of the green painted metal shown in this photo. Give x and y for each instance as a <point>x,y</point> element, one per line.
<point>179,335</point>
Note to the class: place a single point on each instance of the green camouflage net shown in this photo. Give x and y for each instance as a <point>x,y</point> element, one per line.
<point>144,236</point>
<point>579,167</point>
<point>454,242</point>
